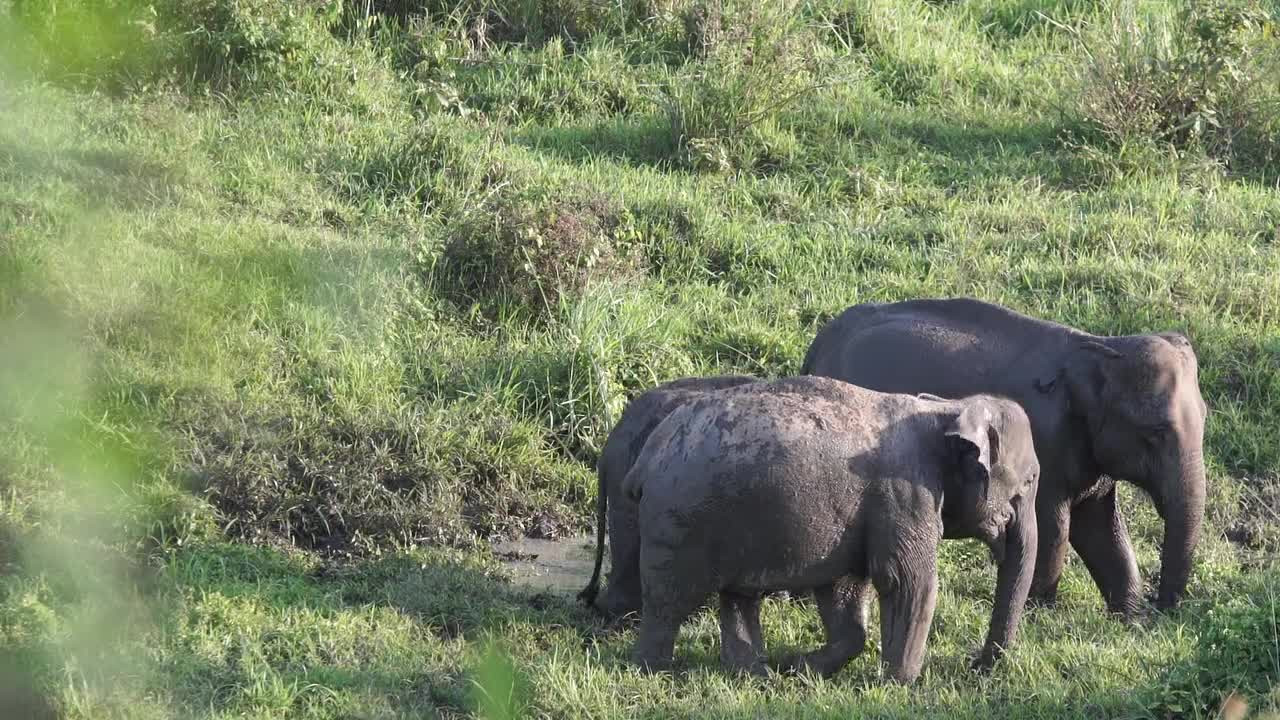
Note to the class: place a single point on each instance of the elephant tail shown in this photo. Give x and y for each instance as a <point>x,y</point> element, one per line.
<point>589,593</point>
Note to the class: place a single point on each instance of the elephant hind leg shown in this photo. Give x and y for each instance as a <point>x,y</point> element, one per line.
<point>741,644</point>
<point>675,585</point>
<point>843,608</point>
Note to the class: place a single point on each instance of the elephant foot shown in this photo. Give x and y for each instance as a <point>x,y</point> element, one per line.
<point>757,669</point>
<point>612,607</point>
<point>1129,612</point>
<point>1043,598</point>
<point>652,665</point>
<point>986,659</point>
<point>824,663</point>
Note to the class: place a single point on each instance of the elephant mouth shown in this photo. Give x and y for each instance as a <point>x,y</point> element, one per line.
<point>997,549</point>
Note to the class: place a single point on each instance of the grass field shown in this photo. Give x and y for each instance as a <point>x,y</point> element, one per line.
<point>303,303</point>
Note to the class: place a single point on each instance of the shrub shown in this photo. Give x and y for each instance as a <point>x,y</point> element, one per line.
<point>532,252</point>
<point>755,61</point>
<point>284,45</point>
<point>1195,81</point>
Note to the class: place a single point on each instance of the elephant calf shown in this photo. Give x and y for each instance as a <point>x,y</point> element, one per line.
<point>617,512</point>
<point>813,484</point>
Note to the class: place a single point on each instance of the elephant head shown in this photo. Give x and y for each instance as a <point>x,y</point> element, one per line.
<point>1139,398</point>
<point>991,496</point>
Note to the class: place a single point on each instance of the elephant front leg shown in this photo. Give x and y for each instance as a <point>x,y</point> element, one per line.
<point>843,608</point>
<point>908,595</point>
<point>741,644</point>
<point>1099,535</point>
<point>1054,521</point>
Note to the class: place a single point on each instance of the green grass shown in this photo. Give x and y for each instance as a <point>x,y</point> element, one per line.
<point>260,413</point>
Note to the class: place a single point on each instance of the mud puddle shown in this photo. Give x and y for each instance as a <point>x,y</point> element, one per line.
<point>550,565</point>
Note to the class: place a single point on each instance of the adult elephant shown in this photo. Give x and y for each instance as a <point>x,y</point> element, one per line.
<point>1125,407</point>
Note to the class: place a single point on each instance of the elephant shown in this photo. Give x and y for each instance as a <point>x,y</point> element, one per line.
<point>813,484</point>
<point>1101,408</point>
<point>614,510</point>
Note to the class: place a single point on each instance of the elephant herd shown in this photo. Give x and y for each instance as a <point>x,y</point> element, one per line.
<point>911,422</point>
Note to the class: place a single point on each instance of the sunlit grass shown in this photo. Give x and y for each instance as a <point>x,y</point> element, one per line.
<point>254,435</point>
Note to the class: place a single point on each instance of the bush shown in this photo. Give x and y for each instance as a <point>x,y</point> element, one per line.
<point>531,252</point>
<point>754,63</point>
<point>1197,81</point>
<point>224,34</point>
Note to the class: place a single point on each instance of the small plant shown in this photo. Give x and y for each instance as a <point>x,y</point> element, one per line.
<point>532,252</point>
<point>1194,82</point>
<point>755,61</point>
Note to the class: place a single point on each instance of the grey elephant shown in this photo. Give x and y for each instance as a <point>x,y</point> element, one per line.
<point>814,484</point>
<point>1101,407</point>
<point>614,510</point>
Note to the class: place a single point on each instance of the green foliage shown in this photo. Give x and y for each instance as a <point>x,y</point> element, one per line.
<point>489,22</point>
<point>226,38</point>
<point>444,477</point>
<point>755,61</point>
<point>84,42</point>
<point>524,250</point>
<point>1238,652</point>
<point>321,296</point>
<point>1200,79</point>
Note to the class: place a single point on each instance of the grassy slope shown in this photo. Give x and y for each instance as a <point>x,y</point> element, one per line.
<point>241,292</point>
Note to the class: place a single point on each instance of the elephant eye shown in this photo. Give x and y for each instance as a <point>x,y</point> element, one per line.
<point>1154,434</point>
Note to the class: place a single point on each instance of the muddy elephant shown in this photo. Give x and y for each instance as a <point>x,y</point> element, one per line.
<point>614,510</point>
<point>812,484</point>
<point>1125,407</point>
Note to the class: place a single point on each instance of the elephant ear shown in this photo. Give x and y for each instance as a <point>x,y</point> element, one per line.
<point>1088,371</point>
<point>974,443</point>
<point>1182,345</point>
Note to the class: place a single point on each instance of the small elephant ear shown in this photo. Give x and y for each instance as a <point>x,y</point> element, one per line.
<point>975,443</point>
<point>1183,345</point>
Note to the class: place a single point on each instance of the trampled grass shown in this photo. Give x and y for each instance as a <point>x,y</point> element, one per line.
<point>261,407</point>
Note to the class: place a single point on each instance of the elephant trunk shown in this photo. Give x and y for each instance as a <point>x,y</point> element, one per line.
<point>1013,582</point>
<point>1181,505</point>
